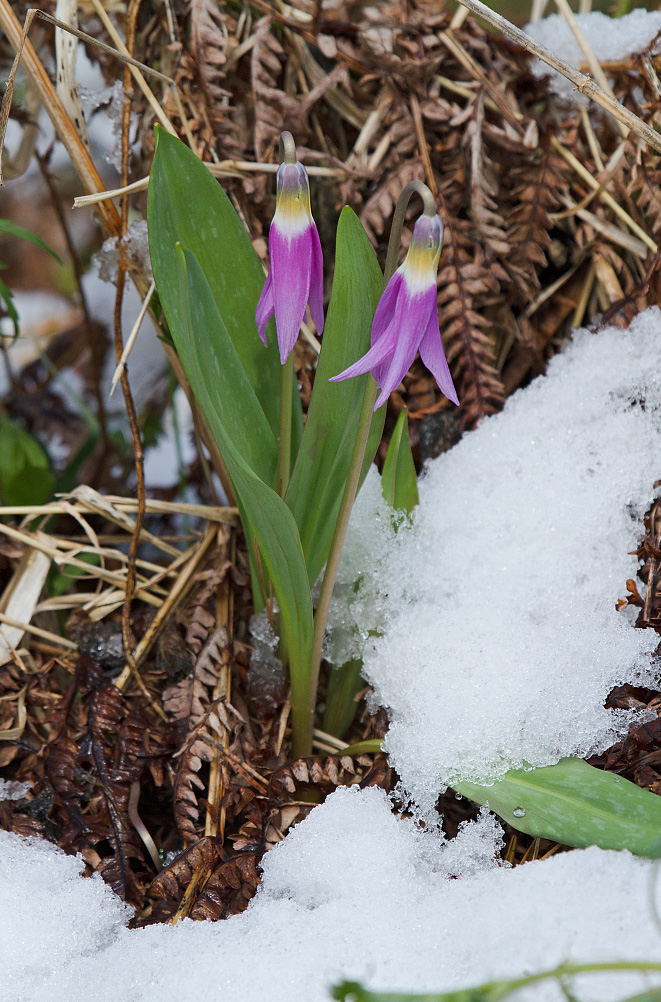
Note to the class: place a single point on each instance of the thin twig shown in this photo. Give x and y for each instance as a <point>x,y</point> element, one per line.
<point>583,172</point>
<point>62,124</point>
<point>130,341</point>
<point>225,168</point>
<point>422,144</point>
<point>586,85</point>
<point>128,396</point>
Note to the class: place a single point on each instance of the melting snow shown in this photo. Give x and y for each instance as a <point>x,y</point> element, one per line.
<point>609,38</point>
<point>351,893</point>
<point>499,636</point>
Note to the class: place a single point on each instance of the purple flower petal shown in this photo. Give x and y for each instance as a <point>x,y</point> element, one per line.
<point>316,297</point>
<point>265,309</point>
<point>433,356</point>
<point>290,267</point>
<point>383,318</point>
<point>377,353</point>
<point>385,310</point>
<point>409,324</point>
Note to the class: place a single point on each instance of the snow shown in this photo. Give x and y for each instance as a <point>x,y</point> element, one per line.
<point>353,892</point>
<point>11,790</point>
<point>499,639</point>
<point>609,38</point>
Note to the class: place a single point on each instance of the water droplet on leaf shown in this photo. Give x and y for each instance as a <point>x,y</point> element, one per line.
<point>519,812</point>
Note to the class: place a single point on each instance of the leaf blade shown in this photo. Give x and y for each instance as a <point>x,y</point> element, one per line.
<point>264,515</point>
<point>399,481</point>
<point>575,804</point>
<point>187,205</point>
<point>318,478</point>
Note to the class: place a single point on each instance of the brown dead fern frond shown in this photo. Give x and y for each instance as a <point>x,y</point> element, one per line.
<point>191,702</point>
<point>464,280</point>
<point>538,186</point>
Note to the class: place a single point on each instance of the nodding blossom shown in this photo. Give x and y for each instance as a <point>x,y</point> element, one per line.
<point>406,319</point>
<point>296,276</point>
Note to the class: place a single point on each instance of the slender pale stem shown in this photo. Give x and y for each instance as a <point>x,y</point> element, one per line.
<point>287,148</point>
<point>398,221</point>
<point>302,742</point>
<point>302,736</point>
<point>284,445</point>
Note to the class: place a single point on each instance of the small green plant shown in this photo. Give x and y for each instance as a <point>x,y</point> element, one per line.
<point>499,991</point>
<point>6,295</point>
<point>294,485</point>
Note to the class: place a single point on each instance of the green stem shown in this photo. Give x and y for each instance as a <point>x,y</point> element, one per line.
<point>284,445</point>
<point>498,991</point>
<point>303,730</point>
<point>302,737</point>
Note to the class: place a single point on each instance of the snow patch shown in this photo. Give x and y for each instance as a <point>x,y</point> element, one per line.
<point>353,892</point>
<point>498,639</point>
<point>609,38</point>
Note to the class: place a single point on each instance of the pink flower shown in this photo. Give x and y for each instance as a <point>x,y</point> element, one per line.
<point>296,276</point>
<point>406,319</point>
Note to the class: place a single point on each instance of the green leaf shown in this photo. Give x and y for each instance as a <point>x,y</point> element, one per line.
<point>187,205</point>
<point>350,991</point>
<point>25,477</point>
<point>317,483</point>
<point>7,226</point>
<point>497,991</point>
<point>344,684</point>
<point>235,405</point>
<point>265,516</point>
<point>7,297</point>
<point>575,804</point>
<point>399,482</point>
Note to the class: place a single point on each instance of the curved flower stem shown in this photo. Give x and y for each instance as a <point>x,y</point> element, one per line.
<point>398,221</point>
<point>287,148</point>
<point>284,444</point>
<point>302,737</point>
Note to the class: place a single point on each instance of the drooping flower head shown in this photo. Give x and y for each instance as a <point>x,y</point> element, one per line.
<point>296,276</point>
<point>406,319</point>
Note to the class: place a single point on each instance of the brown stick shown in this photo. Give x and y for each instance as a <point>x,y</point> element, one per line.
<point>66,133</point>
<point>585,84</point>
<point>128,396</point>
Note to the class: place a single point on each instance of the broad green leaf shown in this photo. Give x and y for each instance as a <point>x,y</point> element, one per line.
<point>317,483</point>
<point>576,804</point>
<point>399,482</point>
<point>231,396</point>
<point>187,205</point>
<point>7,226</point>
<point>265,516</point>
<point>25,477</point>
